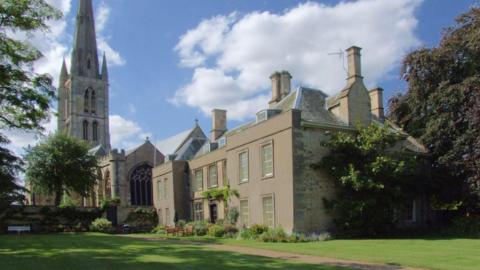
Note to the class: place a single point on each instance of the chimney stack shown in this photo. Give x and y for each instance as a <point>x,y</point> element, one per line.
<point>376,101</point>
<point>281,86</point>
<point>219,124</point>
<point>354,64</point>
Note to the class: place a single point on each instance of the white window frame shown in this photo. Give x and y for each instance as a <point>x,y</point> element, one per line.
<point>262,146</point>
<point>242,222</point>
<point>244,180</point>
<point>273,209</point>
<point>210,175</point>
<point>195,212</point>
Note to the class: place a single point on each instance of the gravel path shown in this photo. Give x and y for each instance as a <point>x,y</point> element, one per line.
<point>288,256</point>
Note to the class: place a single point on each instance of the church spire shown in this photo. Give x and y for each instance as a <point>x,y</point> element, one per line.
<point>84,55</point>
<point>104,68</point>
<point>63,72</point>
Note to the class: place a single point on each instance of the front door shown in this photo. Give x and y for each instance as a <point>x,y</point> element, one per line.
<point>213,213</point>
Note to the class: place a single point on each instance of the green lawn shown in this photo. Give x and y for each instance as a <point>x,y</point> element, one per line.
<point>98,252</point>
<point>444,254</point>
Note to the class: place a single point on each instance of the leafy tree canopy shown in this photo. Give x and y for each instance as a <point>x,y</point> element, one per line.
<point>24,96</point>
<point>442,109</point>
<point>61,164</point>
<point>375,179</point>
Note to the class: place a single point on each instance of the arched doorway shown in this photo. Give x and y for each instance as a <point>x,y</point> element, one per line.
<point>141,186</point>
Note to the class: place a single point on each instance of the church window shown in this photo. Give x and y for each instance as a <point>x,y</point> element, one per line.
<point>88,63</point>
<point>85,101</point>
<point>95,131</point>
<point>93,102</point>
<point>85,130</point>
<point>108,185</point>
<point>141,185</point>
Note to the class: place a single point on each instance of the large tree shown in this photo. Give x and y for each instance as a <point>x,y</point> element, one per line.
<point>61,164</point>
<point>24,96</point>
<point>375,178</point>
<point>442,109</point>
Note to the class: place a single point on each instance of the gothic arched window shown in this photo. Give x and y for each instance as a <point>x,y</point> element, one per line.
<point>141,185</point>
<point>85,130</point>
<point>95,131</point>
<point>93,102</point>
<point>108,185</point>
<point>86,104</point>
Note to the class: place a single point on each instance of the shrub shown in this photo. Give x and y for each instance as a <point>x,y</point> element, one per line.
<point>105,203</point>
<point>216,231</point>
<point>246,234</point>
<point>200,228</point>
<point>258,229</point>
<point>181,223</point>
<point>142,219</point>
<point>101,225</point>
<point>230,230</point>
<point>220,222</point>
<point>159,229</point>
<point>232,215</point>
<point>274,235</point>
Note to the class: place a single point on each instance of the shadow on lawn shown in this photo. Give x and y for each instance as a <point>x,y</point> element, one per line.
<point>89,252</point>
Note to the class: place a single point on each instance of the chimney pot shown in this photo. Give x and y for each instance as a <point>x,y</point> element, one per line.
<point>354,64</point>
<point>376,101</point>
<point>219,124</point>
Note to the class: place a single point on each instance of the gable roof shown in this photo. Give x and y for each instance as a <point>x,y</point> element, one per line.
<point>183,145</point>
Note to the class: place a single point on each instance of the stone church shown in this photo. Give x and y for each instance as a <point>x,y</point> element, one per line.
<point>267,160</point>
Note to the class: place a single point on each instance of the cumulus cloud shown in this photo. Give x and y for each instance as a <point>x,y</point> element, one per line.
<point>102,16</point>
<point>124,133</point>
<point>232,57</point>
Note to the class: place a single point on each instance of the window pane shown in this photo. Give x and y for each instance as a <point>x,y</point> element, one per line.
<point>268,214</point>
<point>165,188</point>
<point>198,180</point>
<point>244,213</point>
<point>198,211</point>
<point>243,166</point>
<point>212,176</point>
<point>267,160</point>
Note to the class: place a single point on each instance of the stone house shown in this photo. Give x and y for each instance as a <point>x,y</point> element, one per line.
<point>267,160</point>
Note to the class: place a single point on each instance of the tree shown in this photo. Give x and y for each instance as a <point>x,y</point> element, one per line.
<point>10,165</point>
<point>24,96</point>
<point>442,108</point>
<point>61,164</point>
<point>375,178</point>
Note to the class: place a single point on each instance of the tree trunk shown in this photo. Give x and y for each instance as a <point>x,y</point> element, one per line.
<point>58,197</point>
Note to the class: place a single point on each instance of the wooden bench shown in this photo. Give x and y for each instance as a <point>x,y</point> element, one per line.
<point>19,229</point>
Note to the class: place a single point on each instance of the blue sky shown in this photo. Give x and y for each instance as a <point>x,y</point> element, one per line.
<point>172,61</point>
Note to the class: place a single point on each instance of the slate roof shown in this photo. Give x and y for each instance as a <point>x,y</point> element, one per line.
<point>184,145</point>
<point>312,104</point>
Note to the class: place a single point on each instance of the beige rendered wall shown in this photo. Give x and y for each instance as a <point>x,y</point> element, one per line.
<point>176,198</point>
<point>216,157</point>
<point>277,130</point>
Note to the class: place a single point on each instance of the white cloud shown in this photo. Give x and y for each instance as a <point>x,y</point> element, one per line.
<point>232,57</point>
<point>102,16</point>
<point>20,139</point>
<point>124,133</point>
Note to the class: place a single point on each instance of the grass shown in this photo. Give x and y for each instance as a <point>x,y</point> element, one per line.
<point>99,251</point>
<point>442,254</point>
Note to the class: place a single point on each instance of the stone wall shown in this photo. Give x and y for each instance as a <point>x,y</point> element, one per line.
<point>49,218</point>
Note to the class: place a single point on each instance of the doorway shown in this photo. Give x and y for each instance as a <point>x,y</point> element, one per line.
<point>213,213</point>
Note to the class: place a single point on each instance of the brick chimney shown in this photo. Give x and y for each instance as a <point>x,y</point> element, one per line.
<point>376,101</point>
<point>281,86</point>
<point>354,64</point>
<point>219,124</point>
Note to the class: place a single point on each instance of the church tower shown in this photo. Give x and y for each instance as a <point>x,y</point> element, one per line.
<point>83,93</point>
